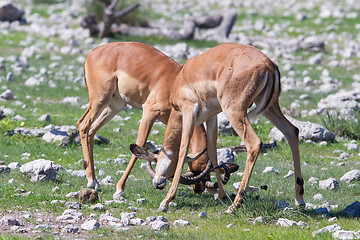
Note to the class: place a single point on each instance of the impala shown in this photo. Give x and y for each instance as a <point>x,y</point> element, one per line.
<point>117,74</point>
<point>230,78</point>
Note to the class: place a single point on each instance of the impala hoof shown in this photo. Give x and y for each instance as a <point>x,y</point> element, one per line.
<point>162,209</point>
<point>118,195</point>
<point>94,185</point>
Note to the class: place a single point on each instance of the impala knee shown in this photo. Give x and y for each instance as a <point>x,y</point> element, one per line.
<point>255,148</point>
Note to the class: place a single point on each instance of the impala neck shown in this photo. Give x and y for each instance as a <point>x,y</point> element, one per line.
<point>173,138</point>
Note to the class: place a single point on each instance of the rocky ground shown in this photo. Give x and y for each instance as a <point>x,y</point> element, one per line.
<point>281,40</point>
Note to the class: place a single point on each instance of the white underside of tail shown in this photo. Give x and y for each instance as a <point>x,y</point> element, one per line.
<point>253,113</point>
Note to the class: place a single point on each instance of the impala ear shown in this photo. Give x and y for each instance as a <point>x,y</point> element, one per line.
<point>142,153</point>
<point>194,156</point>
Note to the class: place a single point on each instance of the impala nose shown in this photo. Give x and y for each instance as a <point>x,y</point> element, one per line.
<point>159,182</point>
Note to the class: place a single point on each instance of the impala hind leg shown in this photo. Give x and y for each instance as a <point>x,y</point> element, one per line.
<point>243,128</point>
<point>291,133</point>
<point>93,119</point>
<point>147,121</point>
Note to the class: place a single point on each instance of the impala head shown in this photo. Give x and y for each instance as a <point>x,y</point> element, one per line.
<point>165,163</point>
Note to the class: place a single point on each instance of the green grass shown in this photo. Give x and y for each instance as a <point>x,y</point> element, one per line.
<point>45,100</point>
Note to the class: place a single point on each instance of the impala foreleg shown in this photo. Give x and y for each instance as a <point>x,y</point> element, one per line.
<point>291,133</point>
<point>211,128</point>
<point>146,124</point>
<point>187,131</point>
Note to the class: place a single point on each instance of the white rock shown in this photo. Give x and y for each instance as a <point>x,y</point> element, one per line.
<point>9,220</point>
<point>70,214</point>
<point>342,234</point>
<point>351,176</point>
<point>90,225</point>
<point>136,221</point>
<point>14,165</point>
<point>161,218</point>
<point>283,222</point>
<point>72,195</point>
<point>7,95</point>
<point>270,169</point>
<point>289,174</point>
<point>318,197</point>
<point>203,214</point>
<point>98,207</point>
<point>141,201</point>
<point>181,222</point>
<point>330,183</point>
<point>313,180</point>
<point>40,169</point>
<point>308,131</point>
<point>330,228</point>
<point>159,225</point>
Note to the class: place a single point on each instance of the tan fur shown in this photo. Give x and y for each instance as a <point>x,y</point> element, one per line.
<point>117,74</point>
<point>230,77</point>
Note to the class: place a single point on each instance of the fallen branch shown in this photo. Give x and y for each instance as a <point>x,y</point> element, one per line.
<point>242,148</point>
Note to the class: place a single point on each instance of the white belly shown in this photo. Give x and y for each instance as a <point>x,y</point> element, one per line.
<point>208,110</point>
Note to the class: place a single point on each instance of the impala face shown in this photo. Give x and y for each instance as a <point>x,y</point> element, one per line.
<point>165,169</point>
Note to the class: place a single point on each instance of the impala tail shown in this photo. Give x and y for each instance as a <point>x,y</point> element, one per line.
<point>269,92</point>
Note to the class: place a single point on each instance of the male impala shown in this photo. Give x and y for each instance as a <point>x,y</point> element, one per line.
<point>229,78</point>
<point>117,74</point>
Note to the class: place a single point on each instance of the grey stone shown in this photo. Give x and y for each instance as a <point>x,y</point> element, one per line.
<point>351,176</point>
<point>330,228</point>
<point>70,229</point>
<point>353,209</point>
<point>224,155</point>
<point>342,234</point>
<point>203,214</point>
<point>224,126</point>
<point>161,218</point>
<point>159,225</point>
<point>321,211</point>
<point>72,195</point>
<point>108,180</point>
<point>54,135</point>
<point>44,118</point>
<point>136,221</point>
<point>98,207</point>
<point>289,174</point>
<point>258,220</point>
<point>270,169</point>
<point>308,131</point>
<point>32,82</point>
<point>40,170</point>
<point>181,222</point>
<point>141,201</point>
<point>90,225</point>
<point>10,13</point>
<point>71,100</point>
<point>14,165</point>
<point>283,222</point>
<point>7,95</point>
<point>4,169</point>
<point>9,220</point>
<point>330,183</point>
<point>73,205</point>
<point>318,197</point>
<point>126,217</point>
<point>150,219</point>
<point>10,76</point>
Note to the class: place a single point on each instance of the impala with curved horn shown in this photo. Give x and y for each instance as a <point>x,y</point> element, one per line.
<point>117,74</point>
<point>230,78</point>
